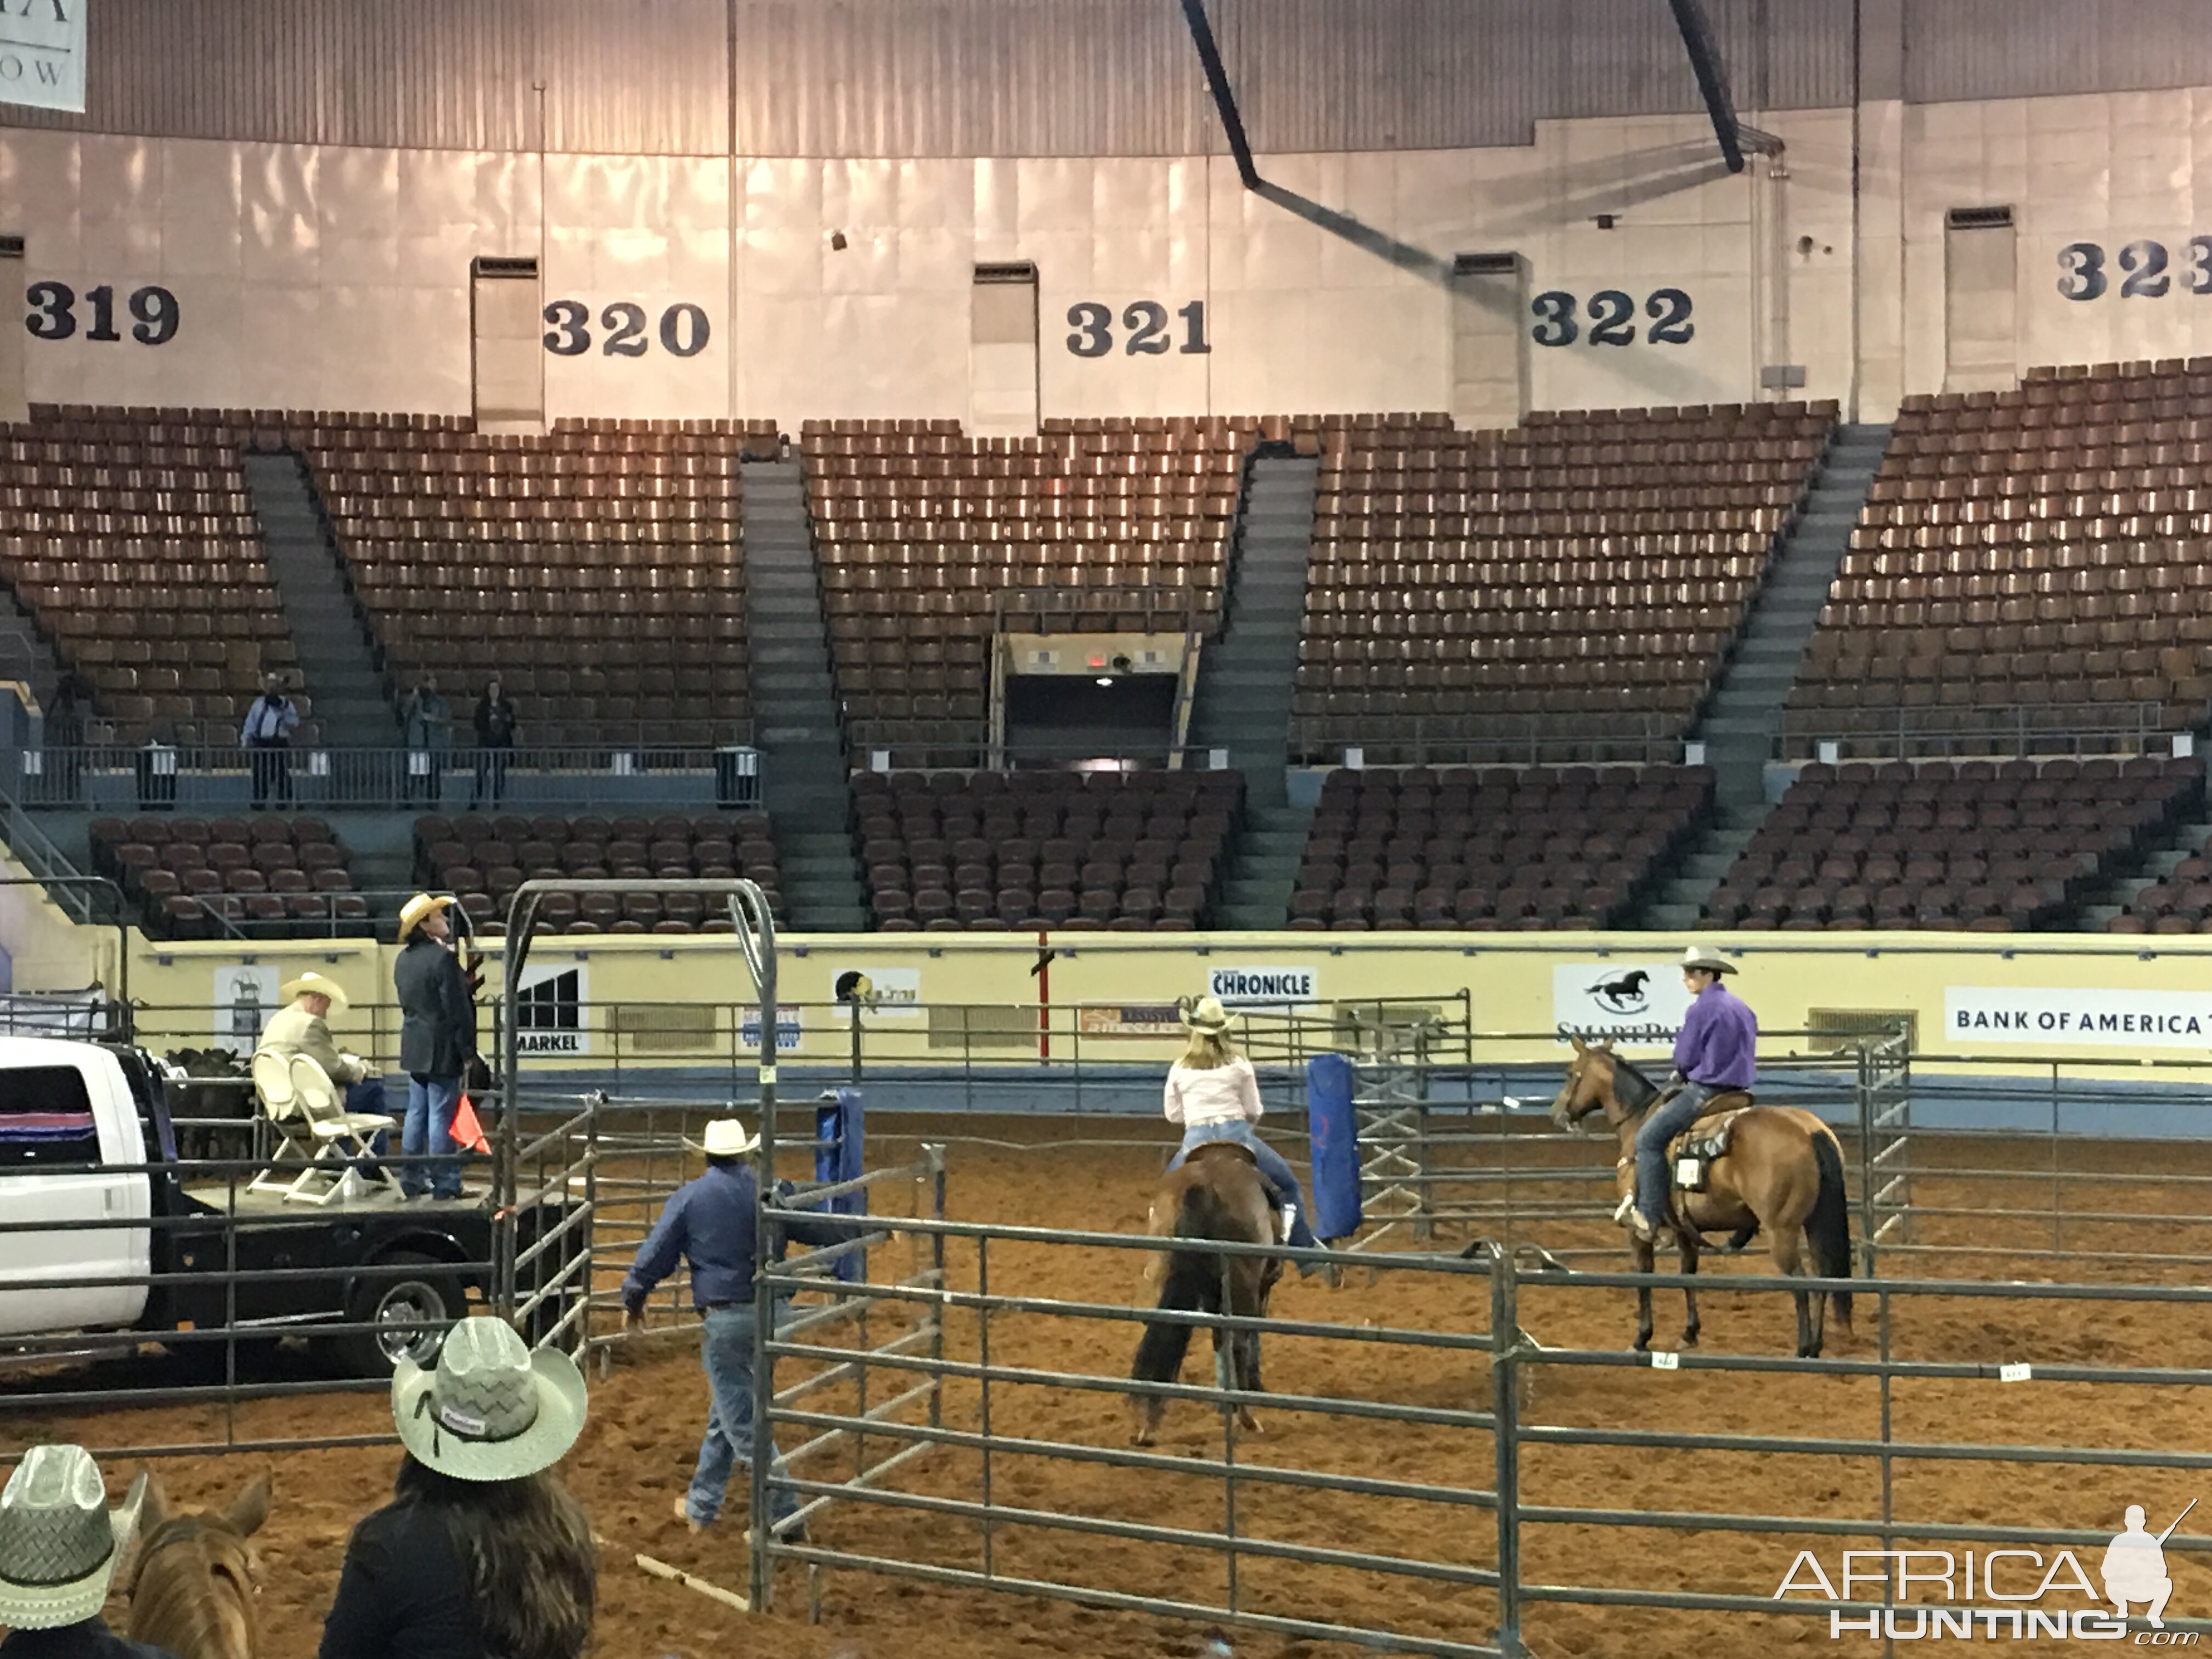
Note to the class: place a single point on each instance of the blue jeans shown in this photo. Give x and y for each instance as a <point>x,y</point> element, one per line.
<point>726,1349</point>
<point>427,1131</point>
<point>1652,1182</point>
<point>1274,1169</point>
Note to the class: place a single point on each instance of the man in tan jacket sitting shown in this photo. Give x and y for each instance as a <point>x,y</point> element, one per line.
<point>301,1027</point>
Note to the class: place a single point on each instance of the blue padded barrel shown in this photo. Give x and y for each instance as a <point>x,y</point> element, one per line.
<point>840,1154</point>
<point>1335,1146</point>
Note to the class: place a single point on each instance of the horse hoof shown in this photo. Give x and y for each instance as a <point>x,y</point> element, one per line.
<point>1140,1440</point>
<point>1643,1345</point>
<point>1249,1424</point>
<point>1689,1339</point>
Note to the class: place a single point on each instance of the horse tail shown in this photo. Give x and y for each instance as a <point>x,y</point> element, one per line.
<point>1828,1228</point>
<point>1189,1285</point>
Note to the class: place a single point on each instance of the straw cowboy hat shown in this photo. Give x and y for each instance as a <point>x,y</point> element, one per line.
<point>412,912</point>
<point>492,1409</point>
<point>1207,1015</point>
<point>1705,957</point>
<point>314,985</point>
<point>59,1542</point>
<point>725,1137</point>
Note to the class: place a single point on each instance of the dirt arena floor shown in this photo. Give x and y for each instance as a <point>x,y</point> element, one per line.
<point>648,1410</point>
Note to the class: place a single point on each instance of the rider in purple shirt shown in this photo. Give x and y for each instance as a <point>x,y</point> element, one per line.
<point>1713,1053</point>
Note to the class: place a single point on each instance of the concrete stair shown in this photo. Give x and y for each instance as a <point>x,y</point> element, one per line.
<point>329,632</point>
<point>1678,906</point>
<point>795,710</point>
<point>1244,684</point>
<point>26,653</point>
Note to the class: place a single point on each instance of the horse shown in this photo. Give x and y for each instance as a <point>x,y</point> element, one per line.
<point>1782,1171</point>
<point>193,1588</point>
<point>219,1085</point>
<point>1216,1194</point>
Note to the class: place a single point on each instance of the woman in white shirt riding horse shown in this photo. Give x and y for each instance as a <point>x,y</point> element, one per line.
<point>1212,1093</point>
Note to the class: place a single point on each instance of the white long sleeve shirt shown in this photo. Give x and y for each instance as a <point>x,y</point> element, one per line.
<point>1222,1094</point>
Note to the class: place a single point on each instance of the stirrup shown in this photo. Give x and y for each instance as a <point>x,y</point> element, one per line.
<point>1623,1210</point>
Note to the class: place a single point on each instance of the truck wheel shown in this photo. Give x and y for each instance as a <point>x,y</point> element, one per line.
<point>409,1311</point>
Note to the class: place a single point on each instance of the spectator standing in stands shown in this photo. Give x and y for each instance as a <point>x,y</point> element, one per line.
<point>711,1222</point>
<point>429,721</point>
<point>496,728</point>
<point>437,1040</point>
<point>59,1547</point>
<point>65,731</point>
<point>267,738</point>
<point>481,1552</point>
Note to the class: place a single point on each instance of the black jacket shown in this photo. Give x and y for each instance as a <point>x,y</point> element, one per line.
<point>90,1640</point>
<point>438,1022</point>
<point>402,1593</point>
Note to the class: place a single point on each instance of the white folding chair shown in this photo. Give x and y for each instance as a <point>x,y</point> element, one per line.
<point>272,1088</point>
<point>341,1137</point>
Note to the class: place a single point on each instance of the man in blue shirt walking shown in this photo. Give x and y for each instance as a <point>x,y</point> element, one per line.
<point>1713,1053</point>
<point>711,1222</point>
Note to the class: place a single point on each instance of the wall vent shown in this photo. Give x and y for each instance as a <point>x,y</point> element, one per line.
<point>501,264</point>
<point>1981,218</point>
<point>1011,271</point>
<point>1486,265</point>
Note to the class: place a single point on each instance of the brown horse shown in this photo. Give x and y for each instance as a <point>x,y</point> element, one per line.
<point>1782,1171</point>
<point>1216,1194</point>
<point>193,1591</point>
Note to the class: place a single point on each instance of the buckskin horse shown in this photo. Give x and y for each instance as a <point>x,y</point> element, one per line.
<point>1216,1194</point>
<point>192,1589</point>
<point>1782,1171</point>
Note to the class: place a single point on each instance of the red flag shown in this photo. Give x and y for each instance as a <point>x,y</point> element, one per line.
<point>466,1133</point>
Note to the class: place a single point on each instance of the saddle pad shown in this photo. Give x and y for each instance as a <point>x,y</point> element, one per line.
<point>1690,1154</point>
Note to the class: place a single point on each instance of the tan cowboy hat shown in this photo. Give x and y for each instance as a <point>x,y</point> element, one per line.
<point>315,985</point>
<point>412,912</point>
<point>1705,957</point>
<point>725,1137</point>
<point>59,1542</point>
<point>1207,1015</point>
<point>492,1409</point>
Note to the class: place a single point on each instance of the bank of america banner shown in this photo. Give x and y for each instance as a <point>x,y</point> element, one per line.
<point>2041,1016</point>
<point>42,53</point>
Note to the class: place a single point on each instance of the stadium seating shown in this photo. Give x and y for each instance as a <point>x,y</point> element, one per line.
<point>273,876</point>
<point>130,535</point>
<point>1984,846</point>
<point>2036,558</point>
<point>1494,848</point>
<point>1572,583</point>
<point>484,859</point>
<point>596,570</point>
<point>1125,852</point>
<point>923,533</point>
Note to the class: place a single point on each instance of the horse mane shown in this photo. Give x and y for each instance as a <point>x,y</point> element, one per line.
<point>193,1591</point>
<point>1645,1091</point>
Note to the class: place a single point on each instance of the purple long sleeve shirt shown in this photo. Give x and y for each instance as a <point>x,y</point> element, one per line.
<point>1718,1037</point>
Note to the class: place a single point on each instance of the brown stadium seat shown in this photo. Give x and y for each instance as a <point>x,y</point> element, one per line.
<point>469,853</point>
<point>1952,846</point>
<point>280,877</point>
<point>2032,557</point>
<point>1059,849</point>
<point>1493,847</point>
<point>1471,590</point>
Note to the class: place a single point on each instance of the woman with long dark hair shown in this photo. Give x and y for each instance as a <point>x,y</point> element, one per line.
<point>482,1554</point>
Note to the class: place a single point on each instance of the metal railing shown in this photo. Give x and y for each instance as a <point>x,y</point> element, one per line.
<point>218,779</point>
<point>2007,730</point>
<point>1118,753</point>
<point>1502,739</point>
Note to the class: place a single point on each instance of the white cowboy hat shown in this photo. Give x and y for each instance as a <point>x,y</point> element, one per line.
<point>1207,1015</point>
<point>725,1137</point>
<point>412,912</point>
<point>1705,957</point>
<point>315,985</point>
<point>59,1542</point>
<point>492,1409</point>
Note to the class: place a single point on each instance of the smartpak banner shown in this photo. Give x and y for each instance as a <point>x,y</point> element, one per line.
<point>2041,1016</point>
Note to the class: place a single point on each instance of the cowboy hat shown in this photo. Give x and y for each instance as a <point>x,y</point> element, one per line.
<point>1705,957</point>
<point>491,1409</point>
<point>1207,1015</point>
<point>314,985</point>
<point>59,1542</point>
<point>412,912</point>
<point>725,1137</point>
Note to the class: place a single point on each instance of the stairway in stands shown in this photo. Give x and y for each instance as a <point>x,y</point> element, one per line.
<point>794,701</point>
<point>1244,681</point>
<point>26,654</point>
<point>1744,715</point>
<point>337,659</point>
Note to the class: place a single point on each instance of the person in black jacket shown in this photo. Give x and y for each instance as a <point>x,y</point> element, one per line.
<point>483,1553</point>
<point>59,1548</point>
<point>437,1040</point>
<point>497,725</point>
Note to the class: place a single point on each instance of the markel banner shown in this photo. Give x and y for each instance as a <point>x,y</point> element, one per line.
<point>2040,1016</point>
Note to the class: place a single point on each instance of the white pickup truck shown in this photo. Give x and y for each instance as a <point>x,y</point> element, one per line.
<point>104,1231</point>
